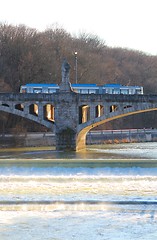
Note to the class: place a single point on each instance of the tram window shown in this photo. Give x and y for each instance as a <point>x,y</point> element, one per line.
<point>84,91</point>
<point>91,91</point>
<point>51,90</point>
<point>37,90</point>
<point>116,91</point>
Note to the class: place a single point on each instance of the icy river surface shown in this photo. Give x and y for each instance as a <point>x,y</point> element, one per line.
<point>107,192</point>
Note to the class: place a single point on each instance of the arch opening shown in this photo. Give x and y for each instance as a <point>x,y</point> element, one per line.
<point>84,114</point>
<point>48,110</point>
<point>127,106</point>
<point>33,109</point>
<point>5,105</point>
<point>99,110</point>
<point>113,108</point>
<point>19,107</point>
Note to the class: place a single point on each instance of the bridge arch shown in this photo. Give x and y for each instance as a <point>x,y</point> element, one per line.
<point>31,117</point>
<point>86,127</point>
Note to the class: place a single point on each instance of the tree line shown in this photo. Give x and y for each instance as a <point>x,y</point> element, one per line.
<point>31,56</point>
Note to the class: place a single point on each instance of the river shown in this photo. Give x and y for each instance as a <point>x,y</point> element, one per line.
<point>106,192</point>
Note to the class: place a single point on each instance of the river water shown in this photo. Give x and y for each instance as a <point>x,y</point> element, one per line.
<point>107,192</point>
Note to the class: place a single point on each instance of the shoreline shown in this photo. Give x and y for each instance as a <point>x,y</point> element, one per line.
<point>100,137</point>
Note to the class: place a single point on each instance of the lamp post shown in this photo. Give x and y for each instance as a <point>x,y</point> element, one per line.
<point>75,67</point>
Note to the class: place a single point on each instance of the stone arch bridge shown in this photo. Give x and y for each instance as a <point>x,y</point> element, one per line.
<point>71,115</point>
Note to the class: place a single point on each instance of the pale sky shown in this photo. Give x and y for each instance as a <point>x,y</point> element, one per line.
<point>120,23</point>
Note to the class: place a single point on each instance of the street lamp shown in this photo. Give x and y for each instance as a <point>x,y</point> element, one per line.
<point>75,67</point>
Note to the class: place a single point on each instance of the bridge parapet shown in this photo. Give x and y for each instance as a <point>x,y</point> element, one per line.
<point>117,98</point>
<point>17,97</point>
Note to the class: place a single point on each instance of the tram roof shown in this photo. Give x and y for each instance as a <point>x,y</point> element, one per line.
<point>41,85</point>
<point>84,85</point>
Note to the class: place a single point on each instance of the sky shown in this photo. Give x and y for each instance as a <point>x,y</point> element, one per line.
<point>128,24</point>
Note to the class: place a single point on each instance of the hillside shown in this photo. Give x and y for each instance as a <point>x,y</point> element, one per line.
<point>27,55</point>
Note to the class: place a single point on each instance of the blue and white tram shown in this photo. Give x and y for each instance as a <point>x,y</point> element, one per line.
<point>39,88</point>
<point>83,88</point>
<point>121,89</point>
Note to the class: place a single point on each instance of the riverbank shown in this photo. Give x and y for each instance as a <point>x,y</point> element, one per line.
<point>93,137</point>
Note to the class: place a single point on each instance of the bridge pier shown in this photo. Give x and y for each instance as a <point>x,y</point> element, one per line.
<point>66,116</point>
<point>66,113</point>
<point>66,140</point>
<point>69,140</point>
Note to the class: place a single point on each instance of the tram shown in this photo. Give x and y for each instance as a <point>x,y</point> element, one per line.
<point>83,88</point>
